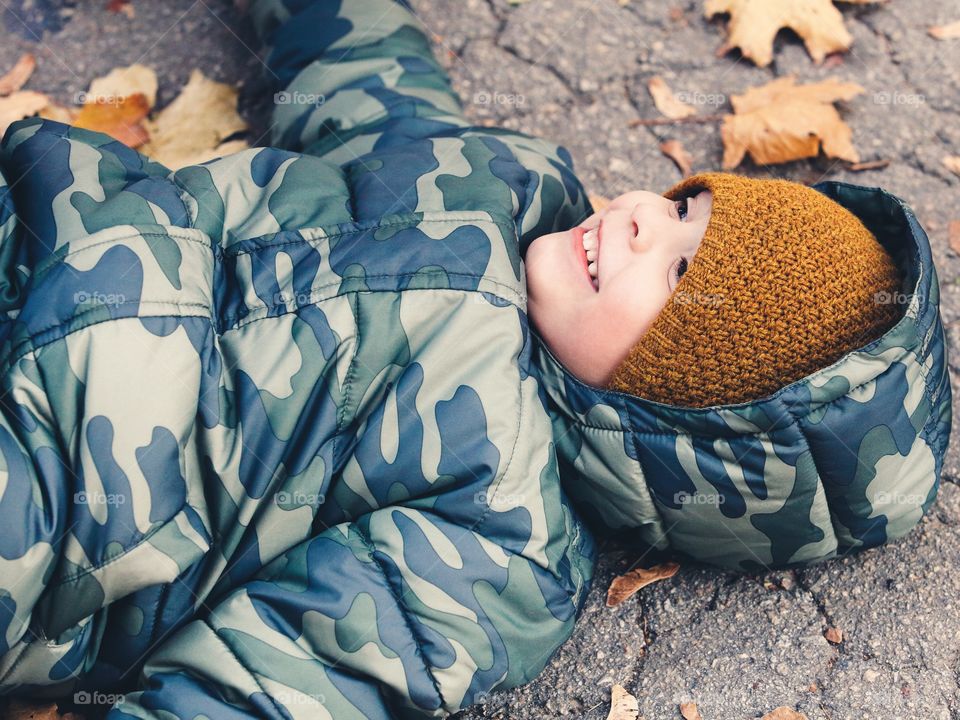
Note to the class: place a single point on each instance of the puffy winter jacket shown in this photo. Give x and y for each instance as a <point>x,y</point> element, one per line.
<point>278,440</point>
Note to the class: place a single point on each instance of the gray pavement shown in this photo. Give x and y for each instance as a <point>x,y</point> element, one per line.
<point>575,71</point>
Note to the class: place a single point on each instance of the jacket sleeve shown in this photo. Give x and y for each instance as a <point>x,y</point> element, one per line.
<point>347,76</point>
<point>410,611</point>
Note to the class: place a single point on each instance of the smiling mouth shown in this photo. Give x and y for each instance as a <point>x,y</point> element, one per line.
<point>578,248</point>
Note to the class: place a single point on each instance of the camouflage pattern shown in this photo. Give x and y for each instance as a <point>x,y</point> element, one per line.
<point>279,441</point>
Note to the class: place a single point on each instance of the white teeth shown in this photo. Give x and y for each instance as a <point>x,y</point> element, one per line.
<point>592,268</point>
<point>592,254</point>
<point>590,239</point>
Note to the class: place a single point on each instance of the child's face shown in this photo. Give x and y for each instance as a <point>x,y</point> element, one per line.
<point>645,244</point>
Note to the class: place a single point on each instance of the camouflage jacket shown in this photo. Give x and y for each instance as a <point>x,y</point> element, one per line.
<point>279,441</point>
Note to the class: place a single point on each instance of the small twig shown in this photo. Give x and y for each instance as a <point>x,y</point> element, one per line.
<point>869,165</point>
<point>694,119</point>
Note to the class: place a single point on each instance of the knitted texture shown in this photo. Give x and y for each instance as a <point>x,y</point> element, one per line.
<point>785,282</point>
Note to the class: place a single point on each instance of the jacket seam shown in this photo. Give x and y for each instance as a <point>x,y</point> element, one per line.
<point>57,259</point>
<point>136,544</point>
<point>405,614</point>
<point>348,379</point>
<point>28,346</point>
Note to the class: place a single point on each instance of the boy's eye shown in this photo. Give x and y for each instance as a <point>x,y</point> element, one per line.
<point>682,208</point>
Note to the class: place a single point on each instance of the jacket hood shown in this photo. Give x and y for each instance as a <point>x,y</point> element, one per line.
<point>845,458</point>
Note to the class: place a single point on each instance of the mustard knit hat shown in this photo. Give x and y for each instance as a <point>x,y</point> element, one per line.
<point>785,282</point>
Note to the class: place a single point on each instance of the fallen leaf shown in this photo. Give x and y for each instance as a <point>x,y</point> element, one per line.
<point>666,101</point>
<point>121,6</point>
<point>946,32</point>
<point>953,163</point>
<point>674,150</point>
<point>122,82</point>
<point>18,75</point>
<point>953,234</point>
<point>60,113</point>
<point>191,129</point>
<point>784,713</point>
<point>19,105</point>
<point>755,23</point>
<point>834,635</point>
<point>23,710</point>
<point>598,202</point>
<point>781,121</point>
<point>689,711</point>
<point>626,585</point>
<point>122,119</point>
<point>623,705</point>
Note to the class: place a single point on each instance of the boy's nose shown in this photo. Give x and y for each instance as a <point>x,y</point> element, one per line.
<point>641,238</point>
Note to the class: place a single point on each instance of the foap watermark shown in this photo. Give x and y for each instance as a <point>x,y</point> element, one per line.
<point>98,497</point>
<point>890,298</point>
<point>898,498</point>
<point>898,98</point>
<point>295,97</point>
<point>699,98</point>
<point>297,498</point>
<point>498,98</point>
<point>294,697</point>
<point>685,498</point>
<point>95,297</point>
<point>83,697</point>
<point>499,501</point>
<point>293,298</point>
<point>84,98</point>
<point>684,297</point>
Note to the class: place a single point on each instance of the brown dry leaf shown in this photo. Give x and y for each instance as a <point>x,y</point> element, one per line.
<point>626,585</point>
<point>623,705</point>
<point>124,81</point>
<point>19,105</point>
<point>755,23</point>
<point>666,101</point>
<point>784,713</point>
<point>953,235</point>
<point>834,635</point>
<point>598,202</point>
<point>950,31</point>
<point>18,75</point>
<point>952,162</point>
<point>122,119</point>
<point>689,711</point>
<point>674,150</point>
<point>192,128</point>
<point>782,121</point>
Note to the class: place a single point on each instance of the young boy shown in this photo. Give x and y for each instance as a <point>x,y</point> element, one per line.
<point>279,440</point>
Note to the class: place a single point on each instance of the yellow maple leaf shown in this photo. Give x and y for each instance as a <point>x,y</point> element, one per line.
<point>755,23</point>
<point>781,121</point>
